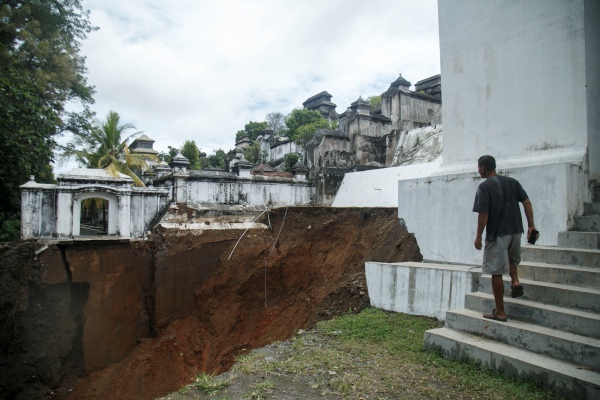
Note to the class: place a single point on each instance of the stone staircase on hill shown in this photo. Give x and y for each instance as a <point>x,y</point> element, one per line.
<point>553,332</point>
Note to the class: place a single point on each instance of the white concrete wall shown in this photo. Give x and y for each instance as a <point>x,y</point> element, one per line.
<point>514,77</point>
<point>254,191</point>
<point>438,209</point>
<point>44,217</point>
<point>379,187</point>
<point>282,150</point>
<point>38,210</point>
<point>418,289</point>
<point>592,66</point>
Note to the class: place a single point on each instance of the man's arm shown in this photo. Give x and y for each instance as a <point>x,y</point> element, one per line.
<point>528,207</point>
<point>482,220</point>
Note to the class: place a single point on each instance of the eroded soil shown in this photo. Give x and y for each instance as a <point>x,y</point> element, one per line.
<point>206,307</point>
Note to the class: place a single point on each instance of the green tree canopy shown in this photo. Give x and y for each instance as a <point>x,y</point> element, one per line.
<point>218,159</point>
<point>303,123</point>
<point>106,146</point>
<point>252,129</point>
<point>40,70</point>
<point>253,153</point>
<point>276,121</point>
<point>374,101</point>
<point>190,151</point>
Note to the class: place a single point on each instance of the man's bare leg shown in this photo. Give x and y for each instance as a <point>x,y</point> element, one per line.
<point>516,288</point>
<point>498,289</point>
<point>514,275</point>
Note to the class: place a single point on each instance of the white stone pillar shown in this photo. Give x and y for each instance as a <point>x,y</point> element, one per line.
<point>64,214</point>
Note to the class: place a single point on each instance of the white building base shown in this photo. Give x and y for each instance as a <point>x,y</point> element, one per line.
<point>420,288</point>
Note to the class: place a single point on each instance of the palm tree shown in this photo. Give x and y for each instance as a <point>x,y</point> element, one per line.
<point>106,147</point>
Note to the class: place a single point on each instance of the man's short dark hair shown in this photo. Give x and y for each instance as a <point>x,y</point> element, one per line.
<point>487,162</point>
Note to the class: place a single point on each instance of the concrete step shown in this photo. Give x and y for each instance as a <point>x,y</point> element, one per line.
<point>587,223</point>
<point>591,208</point>
<point>575,349</point>
<point>561,255</point>
<point>564,379</point>
<point>580,240</point>
<point>564,274</point>
<point>569,320</point>
<point>575,297</point>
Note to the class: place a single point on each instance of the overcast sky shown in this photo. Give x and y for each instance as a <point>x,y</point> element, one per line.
<point>201,69</point>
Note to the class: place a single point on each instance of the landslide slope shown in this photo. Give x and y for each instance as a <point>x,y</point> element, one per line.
<point>210,307</point>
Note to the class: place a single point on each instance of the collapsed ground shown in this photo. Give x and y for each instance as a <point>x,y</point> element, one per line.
<point>139,320</point>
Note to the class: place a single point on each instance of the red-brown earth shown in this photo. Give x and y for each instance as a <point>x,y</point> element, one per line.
<point>139,320</point>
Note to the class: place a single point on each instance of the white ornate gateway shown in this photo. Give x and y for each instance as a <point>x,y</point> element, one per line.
<point>54,211</point>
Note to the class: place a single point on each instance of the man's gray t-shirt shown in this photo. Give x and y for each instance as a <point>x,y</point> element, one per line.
<point>499,196</point>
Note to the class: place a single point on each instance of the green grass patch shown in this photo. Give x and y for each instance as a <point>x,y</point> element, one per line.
<point>209,384</point>
<point>381,354</point>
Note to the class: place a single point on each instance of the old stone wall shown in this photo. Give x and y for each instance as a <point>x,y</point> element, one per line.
<point>252,191</point>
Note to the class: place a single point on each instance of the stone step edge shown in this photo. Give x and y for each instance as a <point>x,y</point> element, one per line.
<point>539,305</point>
<point>556,248</point>
<point>513,323</point>
<point>562,286</point>
<point>516,356</point>
<point>569,267</point>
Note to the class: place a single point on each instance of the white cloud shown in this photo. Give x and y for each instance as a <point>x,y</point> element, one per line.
<point>200,70</point>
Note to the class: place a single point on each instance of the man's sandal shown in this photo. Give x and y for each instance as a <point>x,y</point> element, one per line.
<point>494,316</point>
<point>517,290</point>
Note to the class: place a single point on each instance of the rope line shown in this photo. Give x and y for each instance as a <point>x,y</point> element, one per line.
<point>271,252</point>
<point>266,209</point>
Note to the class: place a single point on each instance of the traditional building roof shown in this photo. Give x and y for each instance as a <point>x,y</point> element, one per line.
<point>143,145</point>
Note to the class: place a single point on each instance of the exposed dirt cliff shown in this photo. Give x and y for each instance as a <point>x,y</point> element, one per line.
<point>141,319</point>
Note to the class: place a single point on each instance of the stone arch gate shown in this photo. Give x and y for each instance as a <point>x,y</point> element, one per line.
<point>54,211</point>
<point>106,193</point>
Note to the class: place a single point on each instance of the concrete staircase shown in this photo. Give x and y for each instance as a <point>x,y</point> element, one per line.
<point>553,332</point>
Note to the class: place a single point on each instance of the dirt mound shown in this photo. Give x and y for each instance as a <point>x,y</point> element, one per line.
<point>205,308</point>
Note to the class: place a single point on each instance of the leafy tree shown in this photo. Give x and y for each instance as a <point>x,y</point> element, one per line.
<point>167,156</point>
<point>253,153</point>
<point>190,151</point>
<point>252,129</point>
<point>300,117</point>
<point>306,132</point>
<point>106,147</point>
<point>276,121</point>
<point>374,101</point>
<point>290,160</point>
<point>218,159</point>
<point>303,123</point>
<point>40,70</point>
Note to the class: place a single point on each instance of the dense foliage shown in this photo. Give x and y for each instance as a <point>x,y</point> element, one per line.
<point>252,129</point>
<point>106,146</point>
<point>40,71</point>
<point>303,123</point>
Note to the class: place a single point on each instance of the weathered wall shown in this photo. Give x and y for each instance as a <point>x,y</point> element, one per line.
<point>437,209</point>
<point>51,211</point>
<point>253,191</point>
<point>278,151</point>
<point>420,289</point>
<point>592,87</point>
<point>378,188</point>
<point>417,111</point>
<point>370,151</point>
<point>418,146</point>
<point>515,78</point>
